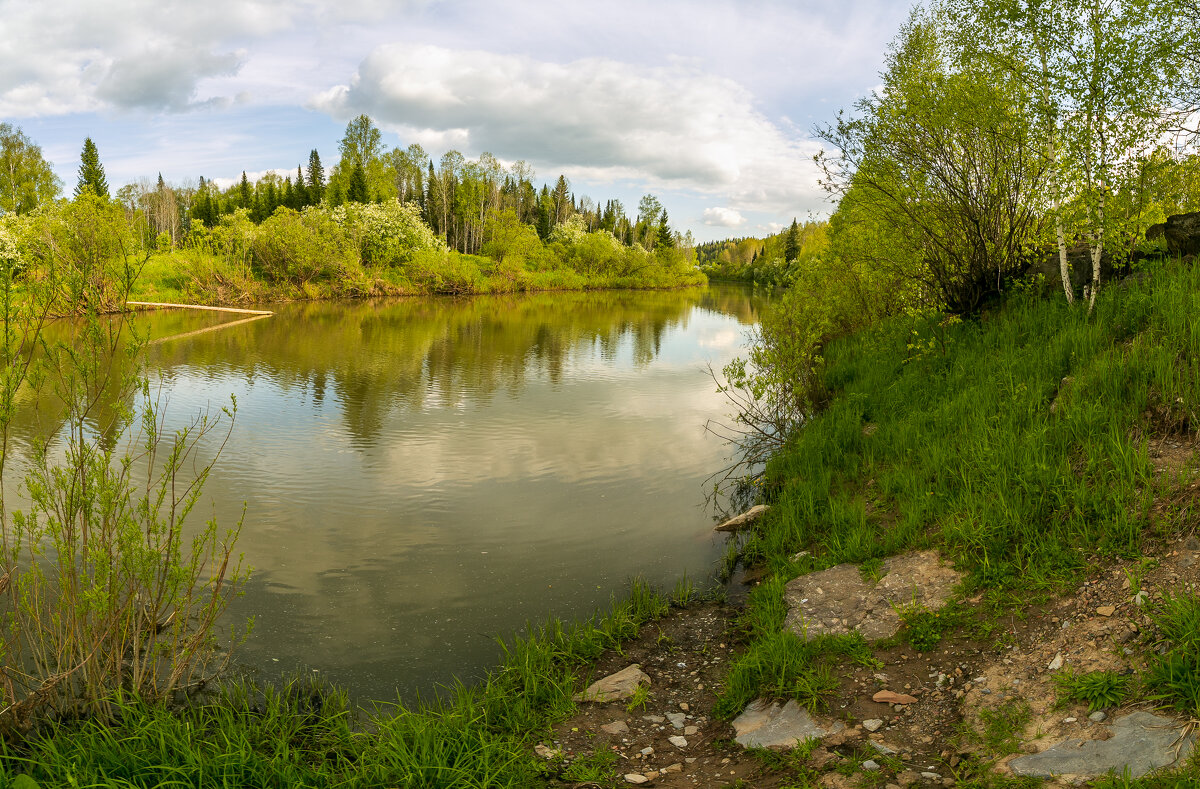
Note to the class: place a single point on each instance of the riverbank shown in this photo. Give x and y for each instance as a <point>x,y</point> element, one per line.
<point>1047,455</point>
<point>196,276</point>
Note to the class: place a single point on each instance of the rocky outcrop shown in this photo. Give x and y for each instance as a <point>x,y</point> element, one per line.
<point>839,600</point>
<point>615,687</point>
<point>1079,262</point>
<point>1181,233</point>
<point>771,725</point>
<point>1139,742</point>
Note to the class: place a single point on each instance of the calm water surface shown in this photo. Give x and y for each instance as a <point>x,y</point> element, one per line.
<point>424,475</point>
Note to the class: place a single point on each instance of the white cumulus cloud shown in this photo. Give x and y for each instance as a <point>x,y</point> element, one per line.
<point>723,217</point>
<point>676,126</point>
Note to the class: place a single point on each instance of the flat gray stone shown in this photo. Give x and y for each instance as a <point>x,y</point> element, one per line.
<point>765,724</point>
<point>838,600</point>
<point>616,727</point>
<point>1140,741</point>
<point>615,687</point>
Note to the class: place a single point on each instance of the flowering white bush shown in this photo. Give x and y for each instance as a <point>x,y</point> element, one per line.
<point>388,233</point>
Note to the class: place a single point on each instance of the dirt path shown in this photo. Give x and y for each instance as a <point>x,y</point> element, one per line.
<point>984,695</point>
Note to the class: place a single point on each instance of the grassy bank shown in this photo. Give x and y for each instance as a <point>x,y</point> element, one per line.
<point>307,735</point>
<point>1018,443</point>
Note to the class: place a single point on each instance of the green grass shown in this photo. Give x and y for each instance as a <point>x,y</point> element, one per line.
<point>306,735</point>
<point>1097,689</point>
<point>1174,678</point>
<point>969,456</point>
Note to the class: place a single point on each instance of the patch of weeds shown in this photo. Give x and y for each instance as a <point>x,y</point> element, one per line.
<point>1000,728</point>
<point>685,593</point>
<point>783,665</point>
<point>1098,689</point>
<point>871,569</point>
<point>599,767</point>
<point>923,629</point>
<point>794,761</point>
<point>975,773</point>
<point>639,699</point>
<point>1175,676</point>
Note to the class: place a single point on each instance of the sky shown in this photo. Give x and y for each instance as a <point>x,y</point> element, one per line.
<point>710,105</point>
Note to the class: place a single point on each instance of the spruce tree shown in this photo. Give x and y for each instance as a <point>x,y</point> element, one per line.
<point>91,172</point>
<point>791,246</point>
<point>665,237</point>
<point>300,191</point>
<point>356,190</point>
<point>244,193</point>
<point>316,178</point>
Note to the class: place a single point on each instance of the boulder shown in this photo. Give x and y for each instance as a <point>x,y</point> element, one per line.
<point>615,687</point>
<point>1139,741</point>
<point>1182,233</point>
<point>839,600</point>
<point>764,724</point>
<point>743,521</point>
<point>1079,262</point>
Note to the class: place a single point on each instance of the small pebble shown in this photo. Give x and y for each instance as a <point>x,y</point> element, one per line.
<point>1098,716</point>
<point>872,724</point>
<point>870,764</point>
<point>678,741</point>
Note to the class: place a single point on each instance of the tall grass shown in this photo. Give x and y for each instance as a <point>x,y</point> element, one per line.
<point>307,735</point>
<point>1016,442</point>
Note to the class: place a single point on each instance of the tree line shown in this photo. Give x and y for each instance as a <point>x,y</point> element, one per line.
<point>459,198</point>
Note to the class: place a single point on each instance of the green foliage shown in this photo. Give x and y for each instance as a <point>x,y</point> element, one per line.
<point>597,768</point>
<point>306,734</point>
<point>296,248</point>
<point>924,629</point>
<point>29,180</point>
<point>1098,689</point>
<point>1002,728</point>
<point>1174,677</point>
<point>91,172</point>
<point>779,664</point>
<point>388,233</point>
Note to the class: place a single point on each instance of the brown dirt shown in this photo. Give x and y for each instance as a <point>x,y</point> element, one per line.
<point>971,673</point>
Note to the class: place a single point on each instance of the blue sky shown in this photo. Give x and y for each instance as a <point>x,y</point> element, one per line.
<point>709,105</point>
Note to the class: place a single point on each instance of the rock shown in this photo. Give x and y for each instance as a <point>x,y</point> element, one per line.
<point>1079,267</point>
<point>653,718</point>
<point>647,751</point>
<point>676,719</point>
<point>635,778</point>
<point>931,776</point>
<point>688,731</point>
<point>892,697</point>
<point>1057,663</point>
<point>764,724</point>
<point>838,600</point>
<point>881,748</point>
<point>1098,716</point>
<point>1182,233</point>
<point>546,752</point>
<point>616,727</point>
<point>615,687</point>
<point>678,741</point>
<point>745,520</point>
<point>872,724</point>
<point>673,768</point>
<point>1140,741</point>
<point>683,705</point>
<point>870,765</point>
<point>1106,610</point>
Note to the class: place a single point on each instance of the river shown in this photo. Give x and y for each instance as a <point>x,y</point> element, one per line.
<point>423,475</point>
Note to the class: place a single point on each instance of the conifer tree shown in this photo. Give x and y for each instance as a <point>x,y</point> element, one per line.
<point>91,172</point>
<point>356,190</point>
<point>316,178</point>
<point>665,238</point>
<point>301,193</point>
<point>244,193</point>
<point>791,245</point>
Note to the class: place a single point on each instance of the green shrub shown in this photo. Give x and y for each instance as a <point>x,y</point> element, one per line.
<point>386,234</point>
<point>1098,689</point>
<point>299,248</point>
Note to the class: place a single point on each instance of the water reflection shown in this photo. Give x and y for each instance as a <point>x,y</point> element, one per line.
<point>422,475</point>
